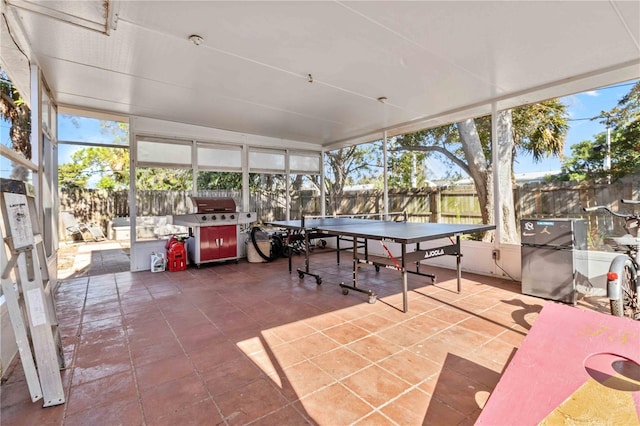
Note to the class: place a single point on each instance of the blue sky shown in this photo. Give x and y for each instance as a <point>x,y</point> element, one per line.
<point>583,105</point>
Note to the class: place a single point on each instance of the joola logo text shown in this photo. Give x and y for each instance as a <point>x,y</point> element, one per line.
<point>434,253</point>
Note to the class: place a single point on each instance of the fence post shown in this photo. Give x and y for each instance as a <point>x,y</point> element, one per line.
<point>436,205</point>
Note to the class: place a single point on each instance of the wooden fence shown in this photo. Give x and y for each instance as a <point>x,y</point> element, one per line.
<point>444,205</point>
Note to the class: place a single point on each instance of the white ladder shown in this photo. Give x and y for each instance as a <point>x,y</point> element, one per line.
<point>30,304</point>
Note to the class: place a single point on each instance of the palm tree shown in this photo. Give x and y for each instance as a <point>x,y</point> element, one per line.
<point>14,110</point>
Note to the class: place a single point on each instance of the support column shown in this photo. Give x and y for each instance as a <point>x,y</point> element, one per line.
<point>245,179</point>
<point>323,192</point>
<point>495,163</point>
<point>287,187</point>
<point>385,194</point>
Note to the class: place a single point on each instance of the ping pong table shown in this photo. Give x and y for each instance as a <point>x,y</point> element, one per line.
<point>402,233</point>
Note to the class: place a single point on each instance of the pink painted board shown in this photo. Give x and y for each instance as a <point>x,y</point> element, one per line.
<point>549,366</point>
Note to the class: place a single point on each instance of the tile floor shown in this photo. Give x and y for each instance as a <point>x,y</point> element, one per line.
<point>251,344</point>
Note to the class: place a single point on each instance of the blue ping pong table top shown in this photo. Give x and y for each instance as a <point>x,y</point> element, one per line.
<point>401,232</point>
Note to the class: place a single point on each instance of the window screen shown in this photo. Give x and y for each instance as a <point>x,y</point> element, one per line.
<point>220,157</point>
<point>164,153</point>
<point>267,160</point>
<point>304,163</point>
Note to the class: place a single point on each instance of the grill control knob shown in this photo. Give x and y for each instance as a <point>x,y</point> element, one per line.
<point>204,217</point>
<point>223,217</point>
<point>248,214</point>
<point>233,216</point>
<point>213,217</point>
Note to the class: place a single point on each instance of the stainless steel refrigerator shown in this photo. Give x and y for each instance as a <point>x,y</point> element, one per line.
<point>554,260</point>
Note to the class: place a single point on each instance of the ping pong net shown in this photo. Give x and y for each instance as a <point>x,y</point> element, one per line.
<point>400,216</point>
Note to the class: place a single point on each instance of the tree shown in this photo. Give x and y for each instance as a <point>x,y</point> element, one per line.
<point>159,179</point>
<point>109,165</point>
<point>14,110</point>
<point>219,180</point>
<point>404,170</point>
<point>343,166</point>
<point>539,129</point>
<point>588,157</point>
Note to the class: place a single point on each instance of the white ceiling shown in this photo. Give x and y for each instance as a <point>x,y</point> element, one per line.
<point>435,62</point>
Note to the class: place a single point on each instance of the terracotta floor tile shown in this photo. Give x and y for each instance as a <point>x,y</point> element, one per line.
<point>89,355</point>
<point>199,337</point>
<point>459,392</point>
<point>165,370</point>
<point>107,332</point>
<point>250,402</point>
<point>345,333</point>
<point>231,375</point>
<point>439,413</point>
<point>375,419</point>
<point>171,397</point>
<point>409,409</point>
<point>306,377</point>
<point>218,351</point>
<point>286,355</point>
<point>402,335</point>
<point>341,362</point>
<point>427,325</point>
<point>326,320</point>
<point>498,352</point>
<point>149,334</point>
<point>464,338</point>
<point>449,314</point>
<point>17,408</point>
<point>266,362</point>
<point>375,385</point>
<point>314,345</point>
<point>125,412</point>
<point>477,368</point>
<point>294,331</point>
<point>200,413</point>
<point>374,348</point>
<point>484,326</point>
<point>374,322</point>
<point>334,405</point>
<point>105,324</point>
<point>251,343</point>
<point>512,337</point>
<point>15,391</point>
<point>100,370</point>
<point>286,416</point>
<point>155,352</point>
<point>410,367</point>
<point>107,390</point>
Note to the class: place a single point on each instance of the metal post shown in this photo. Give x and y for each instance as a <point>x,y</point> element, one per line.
<point>607,158</point>
<point>405,301</point>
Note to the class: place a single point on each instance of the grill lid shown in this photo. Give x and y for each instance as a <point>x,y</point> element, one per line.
<point>212,204</point>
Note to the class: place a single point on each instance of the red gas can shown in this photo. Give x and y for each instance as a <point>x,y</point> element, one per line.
<point>176,255</point>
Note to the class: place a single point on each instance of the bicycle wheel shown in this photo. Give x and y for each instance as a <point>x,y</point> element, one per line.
<point>627,304</point>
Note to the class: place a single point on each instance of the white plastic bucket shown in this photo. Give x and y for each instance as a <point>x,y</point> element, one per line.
<point>252,253</point>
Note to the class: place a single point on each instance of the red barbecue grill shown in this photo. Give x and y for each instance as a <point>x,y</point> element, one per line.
<point>214,229</point>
